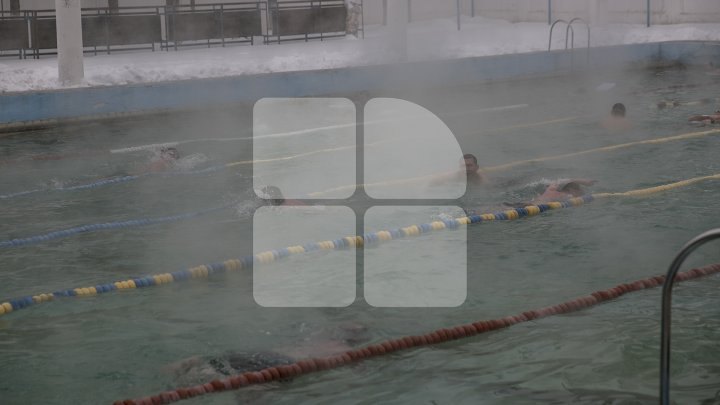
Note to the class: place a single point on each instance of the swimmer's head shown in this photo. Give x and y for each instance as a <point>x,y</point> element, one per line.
<point>618,110</point>
<point>572,188</point>
<point>351,333</point>
<point>272,194</point>
<point>469,163</point>
<point>169,154</point>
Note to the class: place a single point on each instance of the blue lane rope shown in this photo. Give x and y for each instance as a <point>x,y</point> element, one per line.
<point>31,240</point>
<point>115,180</point>
<point>20,193</point>
<point>247,262</point>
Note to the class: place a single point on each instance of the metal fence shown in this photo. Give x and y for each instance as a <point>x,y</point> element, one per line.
<point>33,32</point>
<point>474,5</point>
<point>304,20</point>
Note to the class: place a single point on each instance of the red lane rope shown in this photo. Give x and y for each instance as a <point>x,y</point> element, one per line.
<point>313,365</point>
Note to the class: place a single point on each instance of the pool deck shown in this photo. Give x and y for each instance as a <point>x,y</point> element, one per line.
<point>27,110</point>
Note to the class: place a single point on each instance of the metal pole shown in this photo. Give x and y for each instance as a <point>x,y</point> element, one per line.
<point>549,12</point>
<point>362,17</point>
<point>472,8</point>
<point>457,7</point>
<point>666,304</point>
<point>384,12</point>
<point>409,11</point>
<point>648,12</point>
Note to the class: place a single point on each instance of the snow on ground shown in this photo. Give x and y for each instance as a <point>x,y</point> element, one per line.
<point>435,39</point>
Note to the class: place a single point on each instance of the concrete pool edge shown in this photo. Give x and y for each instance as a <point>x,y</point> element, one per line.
<point>28,110</point>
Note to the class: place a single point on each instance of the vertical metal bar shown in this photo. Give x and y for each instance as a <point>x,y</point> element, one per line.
<point>362,17</point>
<point>174,26</point>
<point>222,25</point>
<point>409,7</point>
<point>665,319</point>
<point>384,12</point>
<point>472,8</point>
<point>107,31</point>
<point>647,9</point>
<point>549,12</point>
<point>457,7</point>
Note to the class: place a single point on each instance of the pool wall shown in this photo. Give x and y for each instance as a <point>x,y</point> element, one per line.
<point>42,108</point>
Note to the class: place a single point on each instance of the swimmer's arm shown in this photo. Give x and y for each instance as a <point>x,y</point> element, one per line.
<point>583,182</point>
<point>700,118</point>
<point>443,178</point>
<point>182,366</point>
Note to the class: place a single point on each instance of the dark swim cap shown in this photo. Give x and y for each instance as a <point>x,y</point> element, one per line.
<point>273,194</point>
<point>618,110</point>
<point>170,152</point>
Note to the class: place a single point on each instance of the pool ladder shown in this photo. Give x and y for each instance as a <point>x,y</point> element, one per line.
<point>569,30</point>
<point>666,303</point>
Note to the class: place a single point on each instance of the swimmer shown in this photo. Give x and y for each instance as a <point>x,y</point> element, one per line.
<point>558,191</point>
<point>321,343</point>
<point>165,161</point>
<point>472,170</point>
<point>705,119</point>
<point>274,196</point>
<point>564,190</point>
<point>617,120</point>
<point>665,104</point>
<point>469,170</point>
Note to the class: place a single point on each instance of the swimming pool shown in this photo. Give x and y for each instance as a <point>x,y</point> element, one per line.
<point>118,345</point>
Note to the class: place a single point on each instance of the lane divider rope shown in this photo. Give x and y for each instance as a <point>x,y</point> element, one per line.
<point>32,240</point>
<point>267,257</point>
<point>356,241</point>
<point>212,169</point>
<point>123,179</point>
<point>305,131</point>
<point>387,347</point>
<point>140,148</point>
<point>505,166</point>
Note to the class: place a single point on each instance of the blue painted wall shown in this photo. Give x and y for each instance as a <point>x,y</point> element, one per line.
<point>29,107</point>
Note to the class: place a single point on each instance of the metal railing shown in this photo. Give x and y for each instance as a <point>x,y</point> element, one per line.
<point>458,11</point>
<point>14,35</point>
<point>306,19</point>
<point>549,12</point>
<point>212,24</point>
<point>666,309</point>
<point>172,26</point>
<point>570,33</point>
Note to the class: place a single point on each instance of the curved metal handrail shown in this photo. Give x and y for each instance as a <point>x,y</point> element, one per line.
<point>552,27</point>
<point>666,304</point>
<point>572,43</point>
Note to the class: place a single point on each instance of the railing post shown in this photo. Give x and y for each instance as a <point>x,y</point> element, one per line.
<point>222,25</point>
<point>665,319</point>
<point>472,8</point>
<point>549,12</point>
<point>384,12</point>
<point>362,17</point>
<point>409,10</point>
<point>647,12</point>
<point>457,8</point>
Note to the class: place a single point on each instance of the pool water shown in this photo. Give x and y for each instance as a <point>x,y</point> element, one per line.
<point>119,345</point>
